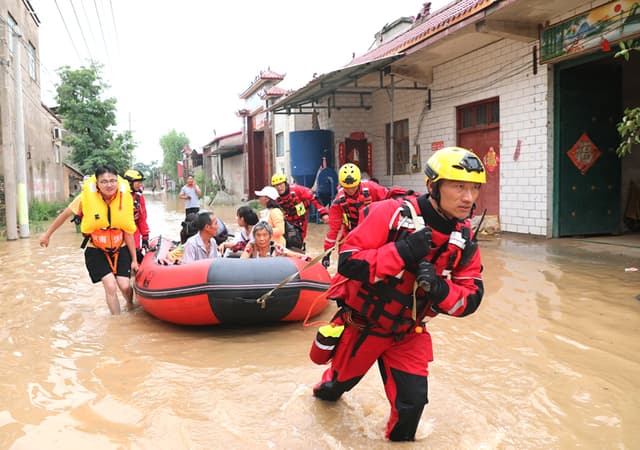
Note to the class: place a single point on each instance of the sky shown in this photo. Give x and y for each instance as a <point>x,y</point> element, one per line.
<point>182,64</point>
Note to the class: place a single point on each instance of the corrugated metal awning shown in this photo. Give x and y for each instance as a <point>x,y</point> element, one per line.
<point>331,83</point>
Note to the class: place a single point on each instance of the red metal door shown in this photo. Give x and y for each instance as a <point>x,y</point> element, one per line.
<point>258,176</point>
<point>479,131</point>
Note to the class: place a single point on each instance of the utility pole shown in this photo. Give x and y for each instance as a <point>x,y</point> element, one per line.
<point>21,155</point>
<point>8,161</point>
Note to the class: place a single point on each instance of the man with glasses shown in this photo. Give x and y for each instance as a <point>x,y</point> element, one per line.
<point>105,208</point>
<point>406,262</point>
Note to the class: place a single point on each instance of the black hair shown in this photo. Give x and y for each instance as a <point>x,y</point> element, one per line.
<point>204,219</point>
<point>188,227</point>
<point>101,170</point>
<point>272,203</point>
<point>248,214</point>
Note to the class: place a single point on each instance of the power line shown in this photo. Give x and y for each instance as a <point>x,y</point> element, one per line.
<point>102,32</point>
<point>113,18</point>
<point>68,33</point>
<point>80,27</point>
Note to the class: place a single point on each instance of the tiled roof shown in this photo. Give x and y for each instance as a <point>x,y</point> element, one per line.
<point>432,24</point>
<point>265,77</point>
<point>271,75</point>
<point>273,91</point>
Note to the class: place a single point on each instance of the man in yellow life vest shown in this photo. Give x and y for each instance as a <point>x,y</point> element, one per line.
<point>106,210</point>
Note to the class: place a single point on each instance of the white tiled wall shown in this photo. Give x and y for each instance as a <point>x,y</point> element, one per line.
<point>504,70</point>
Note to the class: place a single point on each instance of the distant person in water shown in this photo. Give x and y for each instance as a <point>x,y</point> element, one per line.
<point>190,193</point>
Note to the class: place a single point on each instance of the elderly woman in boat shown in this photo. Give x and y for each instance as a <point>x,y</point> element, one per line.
<point>262,245</point>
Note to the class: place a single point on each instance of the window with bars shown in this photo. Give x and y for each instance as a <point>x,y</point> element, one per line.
<point>479,115</point>
<point>401,159</point>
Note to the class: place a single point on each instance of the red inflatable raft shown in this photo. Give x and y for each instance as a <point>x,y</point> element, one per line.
<point>227,290</point>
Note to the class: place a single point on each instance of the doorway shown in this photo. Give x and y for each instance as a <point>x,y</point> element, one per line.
<point>588,107</point>
<point>478,127</point>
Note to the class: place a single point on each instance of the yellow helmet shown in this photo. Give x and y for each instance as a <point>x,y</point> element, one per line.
<point>278,178</point>
<point>455,163</point>
<point>132,175</point>
<point>349,175</point>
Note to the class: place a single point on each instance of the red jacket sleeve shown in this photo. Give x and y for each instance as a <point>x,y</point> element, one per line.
<point>309,196</point>
<point>335,224</point>
<point>141,223</point>
<point>377,192</point>
<point>366,255</point>
<point>466,290</point>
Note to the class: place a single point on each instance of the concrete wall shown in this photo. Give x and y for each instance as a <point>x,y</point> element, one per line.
<point>233,173</point>
<point>504,70</point>
<point>46,180</point>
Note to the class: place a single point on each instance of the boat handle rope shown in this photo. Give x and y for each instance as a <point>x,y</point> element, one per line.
<point>262,301</point>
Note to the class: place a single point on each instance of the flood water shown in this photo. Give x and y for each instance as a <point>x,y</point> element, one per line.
<point>550,360</point>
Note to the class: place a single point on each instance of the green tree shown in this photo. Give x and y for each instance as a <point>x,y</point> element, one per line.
<point>150,171</point>
<point>629,126</point>
<point>172,143</point>
<point>88,119</point>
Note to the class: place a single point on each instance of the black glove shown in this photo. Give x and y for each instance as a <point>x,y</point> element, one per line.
<point>426,277</point>
<point>145,244</point>
<point>326,260</point>
<point>415,247</point>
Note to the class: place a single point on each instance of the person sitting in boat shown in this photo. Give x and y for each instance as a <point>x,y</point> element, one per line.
<point>174,256</point>
<point>246,218</point>
<point>261,245</point>
<point>272,213</point>
<point>202,245</point>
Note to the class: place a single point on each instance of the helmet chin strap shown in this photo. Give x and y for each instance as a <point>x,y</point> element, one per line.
<point>434,193</point>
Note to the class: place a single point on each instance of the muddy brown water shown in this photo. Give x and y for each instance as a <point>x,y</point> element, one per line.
<point>550,360</point>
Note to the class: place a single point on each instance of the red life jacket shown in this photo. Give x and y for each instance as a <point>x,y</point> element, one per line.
<point>388,304</point>
<point>293,208</point>
<point>351,206</point>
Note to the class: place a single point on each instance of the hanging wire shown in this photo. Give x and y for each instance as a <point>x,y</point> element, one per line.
<point>68,32</point>
<point>102,32</point>
<point>113,18</point>
<point>80,27</point>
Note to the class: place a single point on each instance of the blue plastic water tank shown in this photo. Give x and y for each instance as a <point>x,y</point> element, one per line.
<point>308,147</point>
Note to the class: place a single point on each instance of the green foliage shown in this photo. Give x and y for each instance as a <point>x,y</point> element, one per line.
<point>172,143</point>
<point>626,48</point>
<point>206,184</point>
<point>629,126</point>
<point>88,119</point>
<point>629,131</point>
<point>43,211</point>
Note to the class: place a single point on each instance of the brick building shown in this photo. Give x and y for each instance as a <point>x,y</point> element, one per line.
<point>483,74</point>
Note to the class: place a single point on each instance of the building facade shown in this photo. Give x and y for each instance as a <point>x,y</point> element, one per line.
<point>43,155</point>
<point>481,74</point>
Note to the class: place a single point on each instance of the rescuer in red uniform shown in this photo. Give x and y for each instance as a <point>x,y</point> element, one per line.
<point>294,200</point>
<point>409,261</point>
<point>351,198</point>
<point>141,236</point>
